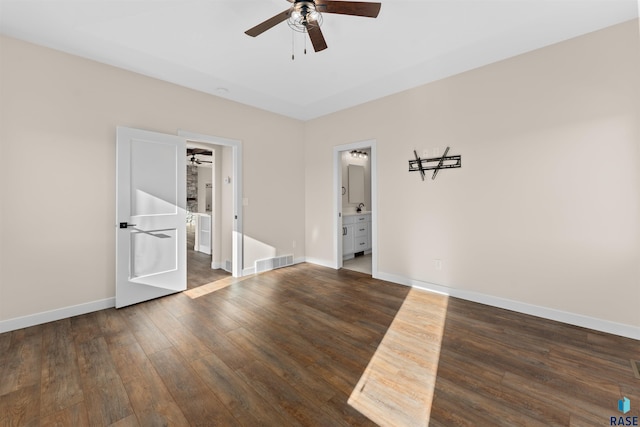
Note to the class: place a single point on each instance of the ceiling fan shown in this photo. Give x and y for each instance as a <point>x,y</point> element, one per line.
<point>193,152</point>
<point>305,16</point>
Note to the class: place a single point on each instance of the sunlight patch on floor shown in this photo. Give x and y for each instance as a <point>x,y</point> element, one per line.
<point>213,286</point>
<point>397,387</point>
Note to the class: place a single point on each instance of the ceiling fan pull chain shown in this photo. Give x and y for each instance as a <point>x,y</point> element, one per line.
<point>292,47</point>
<point>305,45</point>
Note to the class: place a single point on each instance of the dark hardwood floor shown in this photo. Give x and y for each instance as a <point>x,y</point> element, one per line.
<point>294,346</point>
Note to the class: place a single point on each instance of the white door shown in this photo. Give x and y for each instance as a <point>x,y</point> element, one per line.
<point>151,215</point>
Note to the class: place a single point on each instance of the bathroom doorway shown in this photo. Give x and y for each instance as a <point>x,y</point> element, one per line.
<point>355,202</point>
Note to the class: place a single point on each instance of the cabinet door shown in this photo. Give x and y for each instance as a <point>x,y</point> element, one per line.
<point>347,239</point>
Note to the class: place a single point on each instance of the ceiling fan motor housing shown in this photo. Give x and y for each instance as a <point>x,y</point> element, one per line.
<point>304,14</point>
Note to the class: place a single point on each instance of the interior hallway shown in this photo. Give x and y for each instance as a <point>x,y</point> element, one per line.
<point>199,270</point>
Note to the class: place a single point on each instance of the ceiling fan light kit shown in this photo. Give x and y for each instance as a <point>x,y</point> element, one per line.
<point>306,17</point>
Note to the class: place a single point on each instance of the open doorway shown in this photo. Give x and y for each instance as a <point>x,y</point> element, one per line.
<point>214,225</point>
<point>355,201</point>
<point>208,211</point>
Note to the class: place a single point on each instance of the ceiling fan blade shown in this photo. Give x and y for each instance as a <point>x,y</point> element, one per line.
<point>356,8</point>
<point>269,23</point>
<point>315,34</point>
<point>194,151</point>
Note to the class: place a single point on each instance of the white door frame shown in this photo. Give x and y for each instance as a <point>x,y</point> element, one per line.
<point>337,201</point>
<point>237,232</point>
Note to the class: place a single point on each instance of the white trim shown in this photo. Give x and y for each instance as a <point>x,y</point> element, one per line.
<point>217,265</point>
<point>237,232</point>
<point>57,314</point>
<point>607,326</point>
<point>337,203</point>
<point>320,262</point>
<point>581,320</point>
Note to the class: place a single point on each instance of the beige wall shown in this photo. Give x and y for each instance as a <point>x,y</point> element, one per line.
<point>59,114</point>
<point>545,210</point>
<point>546,207</point>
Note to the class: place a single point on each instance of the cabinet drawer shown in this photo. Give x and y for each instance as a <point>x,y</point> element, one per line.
<point>362,218</point>
<point>361,229</point>
<point>361,244</point>
<point>348,219</point>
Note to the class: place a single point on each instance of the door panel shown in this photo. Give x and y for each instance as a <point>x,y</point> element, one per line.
<point>151,199</point>
<point>153,253</point>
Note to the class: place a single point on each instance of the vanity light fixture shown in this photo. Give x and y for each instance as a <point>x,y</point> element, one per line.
<point>359,154</point>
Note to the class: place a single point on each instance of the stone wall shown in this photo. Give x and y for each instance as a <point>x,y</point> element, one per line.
<point>192,188</point>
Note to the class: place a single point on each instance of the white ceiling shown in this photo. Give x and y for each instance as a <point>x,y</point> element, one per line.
<point>201,44</point>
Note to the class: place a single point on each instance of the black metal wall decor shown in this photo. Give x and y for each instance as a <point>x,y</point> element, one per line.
<point>443,162</point>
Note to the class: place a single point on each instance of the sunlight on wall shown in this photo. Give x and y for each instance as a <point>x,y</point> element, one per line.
<point>397,387</point>
<point>255,249</point>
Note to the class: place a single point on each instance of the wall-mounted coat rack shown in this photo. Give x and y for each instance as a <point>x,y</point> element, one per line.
<point>434,163</point>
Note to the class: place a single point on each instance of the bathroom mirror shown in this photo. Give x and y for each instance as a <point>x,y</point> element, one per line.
<point>356,184</point>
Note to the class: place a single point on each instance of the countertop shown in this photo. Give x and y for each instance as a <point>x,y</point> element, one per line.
<point>355,213</point>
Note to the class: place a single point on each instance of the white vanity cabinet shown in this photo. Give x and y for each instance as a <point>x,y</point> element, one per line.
<point>203,233</point>
<point>347,239</point>
<point>356,234</point>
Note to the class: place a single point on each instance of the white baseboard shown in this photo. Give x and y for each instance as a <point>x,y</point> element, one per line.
<point>601,325</point>
<point>53,315</point>
<point>607,326</point>
<point>320,262</point>
<point>217,265</point>
<point>204,249</point>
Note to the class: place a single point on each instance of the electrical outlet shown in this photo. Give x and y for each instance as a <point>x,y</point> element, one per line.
<point>294,244</point>
<point>425,153</point>
<point>438,263</point>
